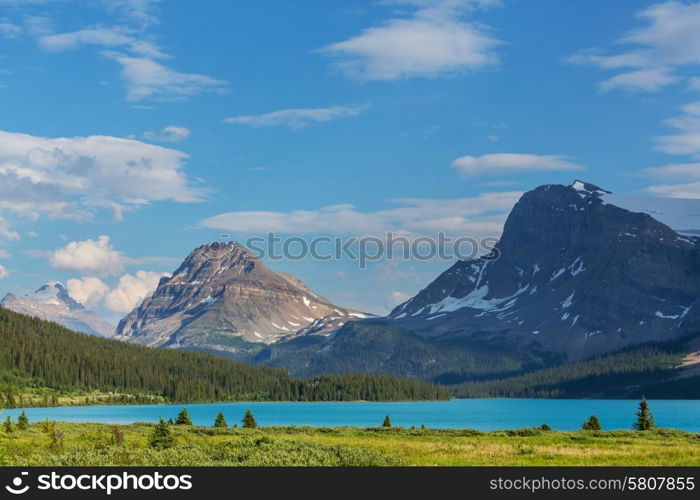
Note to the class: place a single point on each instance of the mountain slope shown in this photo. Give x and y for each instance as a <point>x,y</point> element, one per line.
<point>572,274</point>
<point>53,357</point>
<point>52,302</point>
<point>221,298</point>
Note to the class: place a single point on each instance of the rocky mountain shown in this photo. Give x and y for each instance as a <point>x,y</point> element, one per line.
<point>222,298</point>
<point>572,274</point>
<point>52,302</point>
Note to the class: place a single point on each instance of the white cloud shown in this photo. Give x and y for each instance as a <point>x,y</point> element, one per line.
<point>89,257</point>
<point>676,171</point>
<point>131,290</point>
<point>482,215</point>
<point>434,40</point>
<point>171,133</point>
<point>658,51</point>
<point>299,118</point>
<point>114,37</point>
<point>4,254</point>
<point>9,30</point>
<point>71,178</point>
<point>139,11</point>
<point>687,176</point>
<point>395,298</point>
<point>128,293</point>
<point>686,190</point>
<point>147,79</point>
<point>89,291</point>
<point>687,140</point>
<point>5,231</point>
<point>4,273</point>
<point>510,163</point>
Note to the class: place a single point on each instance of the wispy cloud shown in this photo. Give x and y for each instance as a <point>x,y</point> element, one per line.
<point>436,39</point>
<point>114,37</point>
<point>482,215</point>
<point>656,53</point>
<point>298,118</point>
<point>171,133</point>
<point>511,163</point>
<point>148,79</point>
<point>9,30</point>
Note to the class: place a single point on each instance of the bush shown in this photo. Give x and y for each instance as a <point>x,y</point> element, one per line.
<point>592,424</point>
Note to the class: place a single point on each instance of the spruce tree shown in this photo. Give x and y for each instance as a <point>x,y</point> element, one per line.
<point>249,420</point>
<point>592,424</point>
<point>183,418</point>
<point>162,437</point>
<point>645,419</point>
<point>22,421</point>
<point>8,425</point>
<point>387,422</point>
<point>220,421</point>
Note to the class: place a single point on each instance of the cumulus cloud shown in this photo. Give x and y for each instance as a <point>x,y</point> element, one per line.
<point>131,290</point>
<point>482,215</point>
<point>148,79</point>
<point>171,133</point>
<point>510,163</point>
<point>4,273</point>
<point>298,118</point>
<point>89,257</point>
<point>127,294</point>
<point>657,53</point>
<point>71,178</point>
<point>89,291</point>
<point>434,40</point>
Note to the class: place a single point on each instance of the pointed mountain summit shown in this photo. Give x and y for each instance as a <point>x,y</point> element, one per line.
<point>223,296</point>
<point>52,302</point>
<point>570,274</point>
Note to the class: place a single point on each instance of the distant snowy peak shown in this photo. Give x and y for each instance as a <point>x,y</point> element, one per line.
<point>574,274</point>
<point>54,293</point>
<point>52,302</point>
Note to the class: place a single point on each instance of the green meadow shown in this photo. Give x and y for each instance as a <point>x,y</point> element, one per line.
<point>69,444</point>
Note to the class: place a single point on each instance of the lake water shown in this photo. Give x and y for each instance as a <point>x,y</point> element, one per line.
<point>481,414</point>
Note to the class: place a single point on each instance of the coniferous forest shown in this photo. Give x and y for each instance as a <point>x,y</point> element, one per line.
<point>37,355</point>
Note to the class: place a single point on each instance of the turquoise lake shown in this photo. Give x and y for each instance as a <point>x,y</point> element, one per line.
<point>481,414</point>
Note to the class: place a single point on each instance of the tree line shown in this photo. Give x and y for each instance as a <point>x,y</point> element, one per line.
<point>37,354</point>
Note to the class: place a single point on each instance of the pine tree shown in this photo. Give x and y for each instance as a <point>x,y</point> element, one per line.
<point>545,427</point>
<point>8,425</point>
<point>220,421</point>
<point>387,422</point>
<point>22,421</point>
<point>183,418</point>
<point>645,419</point>
<point>162,437</point>
<point>249,420</point>
<point>592,424</point>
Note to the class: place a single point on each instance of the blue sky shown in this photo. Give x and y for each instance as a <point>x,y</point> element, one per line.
<point>132,131</point>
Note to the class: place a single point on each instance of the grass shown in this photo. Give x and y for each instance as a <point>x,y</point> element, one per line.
<point>93,445</point>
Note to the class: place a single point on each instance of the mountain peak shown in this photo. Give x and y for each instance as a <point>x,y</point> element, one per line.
<point>221,296</point>
<point>588,188</point>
